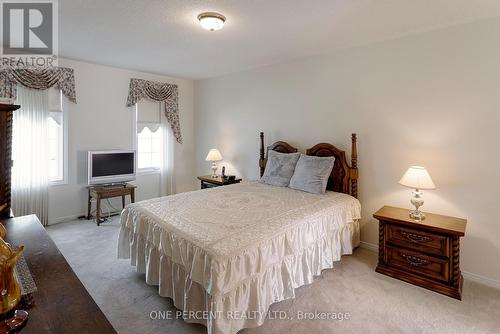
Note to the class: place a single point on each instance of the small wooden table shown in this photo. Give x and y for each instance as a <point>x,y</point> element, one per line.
<point>61,302</point>
<point>103,192</point>
<point>425,253</point>
<point>207,181</point>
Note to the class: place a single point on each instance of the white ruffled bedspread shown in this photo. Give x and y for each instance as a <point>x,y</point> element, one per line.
<point>233,251</point>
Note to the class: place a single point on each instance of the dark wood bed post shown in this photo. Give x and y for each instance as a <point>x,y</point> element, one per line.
<point>354,166</point>
<point>262,162</point>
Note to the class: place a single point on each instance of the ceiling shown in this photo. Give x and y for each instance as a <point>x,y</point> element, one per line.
<point>163,36</point>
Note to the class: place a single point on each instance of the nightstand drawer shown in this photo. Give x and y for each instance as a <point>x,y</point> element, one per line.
<point>418,263</point>
<point>418,240</point>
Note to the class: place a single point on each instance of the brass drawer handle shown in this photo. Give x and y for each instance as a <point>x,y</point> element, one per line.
<point>415,237</point>
<point>414,260</point>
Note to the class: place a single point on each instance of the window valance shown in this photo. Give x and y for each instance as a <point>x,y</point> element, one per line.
<point>161,92</point>
<point>62,78</point>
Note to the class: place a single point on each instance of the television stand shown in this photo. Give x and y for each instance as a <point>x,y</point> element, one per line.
<point>107,185</point>
<point>100,192</point>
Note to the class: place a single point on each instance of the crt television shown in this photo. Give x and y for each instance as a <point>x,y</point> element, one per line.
<point>109,167</point>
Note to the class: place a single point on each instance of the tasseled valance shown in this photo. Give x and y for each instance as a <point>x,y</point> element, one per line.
<point>161,92</point>
<point>62,78</point>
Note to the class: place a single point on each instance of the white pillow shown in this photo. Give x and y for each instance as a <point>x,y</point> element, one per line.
<point>312,173</point>
<point>279,168</point>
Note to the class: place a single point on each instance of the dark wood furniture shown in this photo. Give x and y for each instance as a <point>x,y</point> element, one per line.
<point>61,302</point>
<point>6,116</point>
<point>102,192</point>
<point>425,253</point>
<point>344,178</point>
<point>208,181</point>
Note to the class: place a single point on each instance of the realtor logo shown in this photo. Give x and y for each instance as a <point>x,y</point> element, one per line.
<point>29,28</point>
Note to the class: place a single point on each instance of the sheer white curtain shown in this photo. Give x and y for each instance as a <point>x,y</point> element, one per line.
<point>167,180</point>
<point>30,143</point>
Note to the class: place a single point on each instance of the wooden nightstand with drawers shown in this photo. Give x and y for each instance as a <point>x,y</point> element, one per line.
<point>425,253</point>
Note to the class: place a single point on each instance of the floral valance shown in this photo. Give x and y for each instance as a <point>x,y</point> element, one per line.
<point>161,92</point>
<point>62,78</point>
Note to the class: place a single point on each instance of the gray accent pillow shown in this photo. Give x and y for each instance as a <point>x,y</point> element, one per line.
<point>312,173</point>
<point>279,168</point>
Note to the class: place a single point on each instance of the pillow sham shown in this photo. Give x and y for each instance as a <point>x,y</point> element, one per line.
<point>311,174</point>
<point>279,168</point>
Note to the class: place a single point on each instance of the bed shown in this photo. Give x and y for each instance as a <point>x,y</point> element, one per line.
<point>225,254</point>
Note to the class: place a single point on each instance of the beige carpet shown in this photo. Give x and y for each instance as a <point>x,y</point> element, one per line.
<point>375,303</point>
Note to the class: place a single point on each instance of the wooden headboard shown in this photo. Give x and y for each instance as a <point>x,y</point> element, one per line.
<point>344,178</point>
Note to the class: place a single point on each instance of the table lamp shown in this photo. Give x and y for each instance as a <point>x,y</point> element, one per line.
<point>418,178</point>
<point>214,155</point>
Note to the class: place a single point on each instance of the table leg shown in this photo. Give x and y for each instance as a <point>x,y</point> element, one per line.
<point>123,202</point>
<point>132,196</point>
<point>98,210</point>
<point>89,204</point>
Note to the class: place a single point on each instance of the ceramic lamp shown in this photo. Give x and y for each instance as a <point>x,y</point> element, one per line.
<point>214,155</point>
<point>418,178</point>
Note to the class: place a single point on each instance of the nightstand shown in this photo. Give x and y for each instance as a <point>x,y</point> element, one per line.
<point>208,181</point>
<point>425,253</point>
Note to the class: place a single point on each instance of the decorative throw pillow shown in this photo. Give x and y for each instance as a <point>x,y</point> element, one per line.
<point>279,168</point>
<point>311,174</point>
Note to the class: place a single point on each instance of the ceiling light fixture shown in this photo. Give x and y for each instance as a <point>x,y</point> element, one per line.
<point>212,21</point>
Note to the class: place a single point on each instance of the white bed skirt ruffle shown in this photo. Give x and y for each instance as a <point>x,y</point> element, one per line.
<point>236,293</point>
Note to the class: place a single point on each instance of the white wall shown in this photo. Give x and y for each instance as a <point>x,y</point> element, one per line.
<point>429,99</point>
<point>100,120</point>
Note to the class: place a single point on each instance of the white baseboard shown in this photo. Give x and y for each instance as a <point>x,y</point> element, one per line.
<point>467,275</point>
<point>369,246</point>
<point>481,279</point>
<point>76,216</point>
<point>66,218</point>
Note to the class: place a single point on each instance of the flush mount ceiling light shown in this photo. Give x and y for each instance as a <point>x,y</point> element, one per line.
<point>212,21</point>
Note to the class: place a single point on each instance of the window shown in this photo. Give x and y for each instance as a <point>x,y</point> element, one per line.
<point>56,138</point>
<point>149,136</point>
<point>38,138</point>
<point>56,146</point>
<point>149,148</point>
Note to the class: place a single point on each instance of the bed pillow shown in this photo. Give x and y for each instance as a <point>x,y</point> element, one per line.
<point>279,168</point>
<point>311,174</point>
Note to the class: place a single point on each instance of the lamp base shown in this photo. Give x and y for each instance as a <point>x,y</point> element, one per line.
<point>214,170</point>
<point>417,201</point>
<point>417,215</point>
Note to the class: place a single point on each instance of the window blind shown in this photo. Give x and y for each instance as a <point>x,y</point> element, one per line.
<point>148,115</point>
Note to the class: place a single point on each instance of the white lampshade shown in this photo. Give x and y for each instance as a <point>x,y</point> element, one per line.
<point>213,155</point>
<point>416,177</point>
